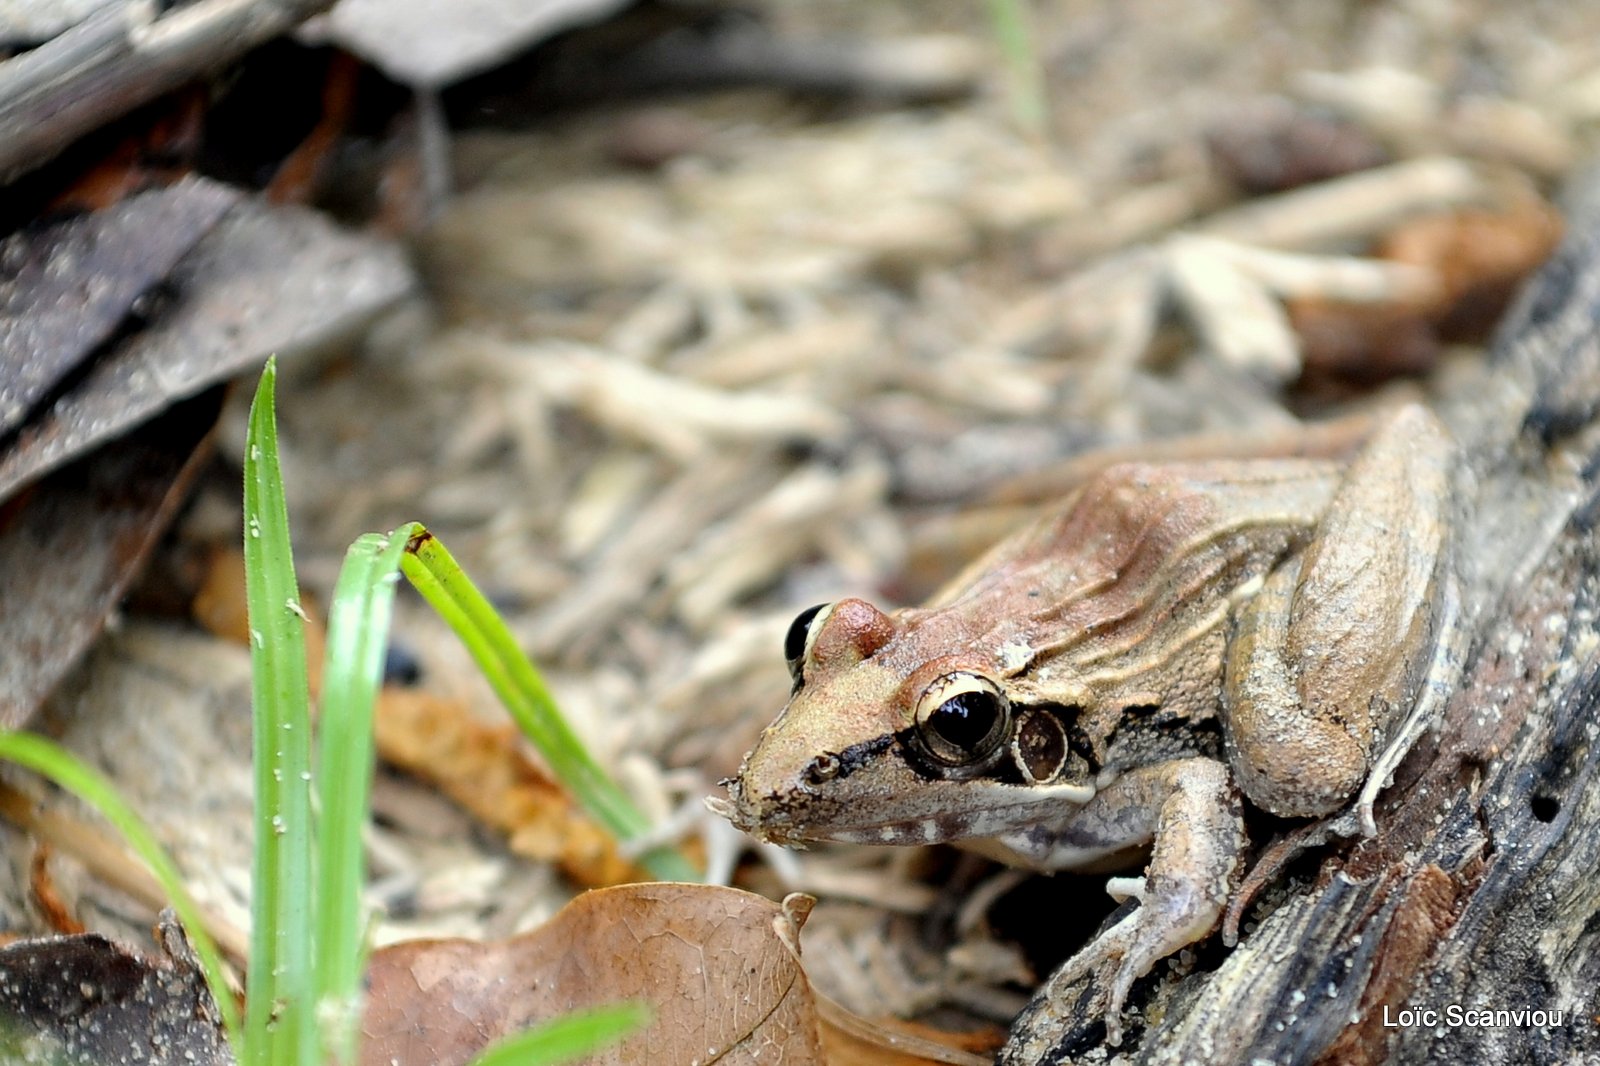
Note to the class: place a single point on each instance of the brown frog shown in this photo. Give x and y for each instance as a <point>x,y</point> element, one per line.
<point>1115,679</point>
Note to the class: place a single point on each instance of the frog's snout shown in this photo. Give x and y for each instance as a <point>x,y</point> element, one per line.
<point>746,817</point>
<point>737,807</point>
<point>761,811</point>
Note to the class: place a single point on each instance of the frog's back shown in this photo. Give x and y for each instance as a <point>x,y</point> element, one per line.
<point>1121,597</point>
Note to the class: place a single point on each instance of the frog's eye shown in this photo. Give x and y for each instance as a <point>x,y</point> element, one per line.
<point>802,634</point>
<point>963,718</point>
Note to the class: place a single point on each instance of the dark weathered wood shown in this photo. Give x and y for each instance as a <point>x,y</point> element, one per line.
<point>264,280</point>
<point>1481,887</point>
<point>66,289</point>
<point>70,548</point>
<point>85,999</point>
<point>119,58</point>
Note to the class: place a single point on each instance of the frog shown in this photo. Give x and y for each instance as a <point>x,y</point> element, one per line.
<point>1113,683</point>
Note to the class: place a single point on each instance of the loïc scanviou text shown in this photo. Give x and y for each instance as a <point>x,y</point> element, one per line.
<point>1456,1016</point>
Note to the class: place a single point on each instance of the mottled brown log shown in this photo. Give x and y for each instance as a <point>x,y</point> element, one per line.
<point>1480,888</point>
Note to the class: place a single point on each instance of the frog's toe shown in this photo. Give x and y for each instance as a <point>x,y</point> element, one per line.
<point>1122,889</point>
<point>1130,949</point>
<point>1107,958</point>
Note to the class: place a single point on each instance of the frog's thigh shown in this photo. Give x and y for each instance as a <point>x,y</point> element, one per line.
<point>1330,652</point>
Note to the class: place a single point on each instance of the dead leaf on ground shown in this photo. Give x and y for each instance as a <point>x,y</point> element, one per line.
<point>485,769</point>
<point>1480,259</point>
<point>83,362</point>
<point>717,967</point>
<point>86,1000</point>
<point>70,546</point>
<point>219,604</point>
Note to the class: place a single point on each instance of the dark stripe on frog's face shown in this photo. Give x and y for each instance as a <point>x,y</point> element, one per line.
<point>853,758</point>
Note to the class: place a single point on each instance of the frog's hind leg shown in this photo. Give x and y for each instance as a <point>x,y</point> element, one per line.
<point>1191,813</point>
<point>1331,653</point>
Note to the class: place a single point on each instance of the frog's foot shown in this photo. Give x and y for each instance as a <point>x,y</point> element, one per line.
<point>1191,810</point>
<point>1158,927</point>
<point>1114,966</point>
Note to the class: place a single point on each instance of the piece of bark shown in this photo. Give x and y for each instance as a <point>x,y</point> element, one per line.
<point>29,22</point>
<point>265,280</point>
<point>85,1000</point>
<point>1479,889</point>
<point>65,290</point>
<point>70,547</point>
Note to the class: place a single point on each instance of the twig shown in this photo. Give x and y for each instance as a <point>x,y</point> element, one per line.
<point>109,861</point>
<point>123,56</point>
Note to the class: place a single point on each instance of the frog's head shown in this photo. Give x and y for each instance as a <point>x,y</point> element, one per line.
<point>888,739</point>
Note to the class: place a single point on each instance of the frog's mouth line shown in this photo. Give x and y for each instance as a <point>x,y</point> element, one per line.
<point>990,808</point>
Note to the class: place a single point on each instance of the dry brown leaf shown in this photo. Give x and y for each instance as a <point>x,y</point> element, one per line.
<point>1480,259</point>
<point>717,967</point>
<point>1364,343</point>
<point>482,767</point>
<point>219,604</point>
<point>485,769</point>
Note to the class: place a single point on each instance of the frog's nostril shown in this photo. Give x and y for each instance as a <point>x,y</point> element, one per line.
<point>822,769</point>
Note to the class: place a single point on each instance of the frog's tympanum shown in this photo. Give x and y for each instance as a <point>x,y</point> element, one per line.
<point>1116,679</point>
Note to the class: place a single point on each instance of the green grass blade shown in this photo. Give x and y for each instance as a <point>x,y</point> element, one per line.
<point>279,1022</point>
<point>447,588</point>
<point>358,630</point>
<point>567,1037</point>
<point>1012,22</point>
<point>89,785</point>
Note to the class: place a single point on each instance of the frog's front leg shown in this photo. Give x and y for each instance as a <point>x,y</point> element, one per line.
<point>1189,811</point>
<point>1333,648</point>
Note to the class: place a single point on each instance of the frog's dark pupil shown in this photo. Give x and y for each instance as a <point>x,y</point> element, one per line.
<point>794,645</point>
<point>966,720</point>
